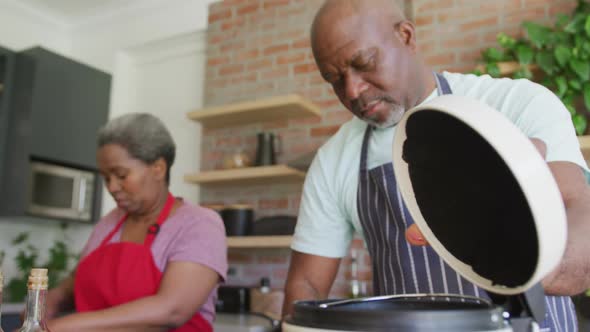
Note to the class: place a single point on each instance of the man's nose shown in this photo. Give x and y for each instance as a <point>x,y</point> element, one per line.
<point>354,86</point>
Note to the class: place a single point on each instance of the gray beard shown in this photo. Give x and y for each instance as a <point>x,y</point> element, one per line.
<point>393,117</point>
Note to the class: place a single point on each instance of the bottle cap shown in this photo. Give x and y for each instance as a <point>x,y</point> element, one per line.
<point>38,279</point>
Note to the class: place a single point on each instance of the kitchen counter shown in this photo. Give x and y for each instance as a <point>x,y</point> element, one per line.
<point>226,322</point>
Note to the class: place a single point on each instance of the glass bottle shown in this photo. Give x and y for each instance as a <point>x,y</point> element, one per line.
<point>35,311</point>
<point>1,287</point>
<point>356,287</point>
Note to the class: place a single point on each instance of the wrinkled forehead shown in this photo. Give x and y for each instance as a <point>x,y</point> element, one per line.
<point>346,33</point>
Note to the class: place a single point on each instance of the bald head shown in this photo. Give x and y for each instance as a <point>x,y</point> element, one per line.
<point>333,11</point>
<point>366,49</point>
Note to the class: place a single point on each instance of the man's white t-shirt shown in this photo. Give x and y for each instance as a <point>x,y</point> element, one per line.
<point>328,214</point>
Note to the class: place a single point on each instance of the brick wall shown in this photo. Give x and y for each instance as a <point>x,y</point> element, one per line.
<point>260,48</point>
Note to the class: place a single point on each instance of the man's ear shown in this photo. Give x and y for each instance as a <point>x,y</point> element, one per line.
<point>406,33</point>
<point>159,168</point>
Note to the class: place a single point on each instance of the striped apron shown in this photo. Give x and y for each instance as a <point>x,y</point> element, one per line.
<point>400,268</point>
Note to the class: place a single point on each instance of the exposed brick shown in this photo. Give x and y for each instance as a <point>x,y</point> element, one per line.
<point>480,23</point>
<point>221,15</point>
<point>231,69</point>
<point>305,68</point>
<point>276,49</point>
<point>247,9</point>
<point>273,203</point>
<point>275,73</point>
<point>277,257</point>
<point>259,64</point>
<point>245,55</point>
<point>290,58</point>
<point>430,6</point>
<point>324,131</point>
<point>235,23</point>
<point>235,256</point>
<point>222,60</point>
<point>301,43</point>
<point>424,20</point>
<point>441,59</point>
<point>275,3</point>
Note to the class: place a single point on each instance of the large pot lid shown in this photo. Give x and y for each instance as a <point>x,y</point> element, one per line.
<point>481,194</point>
<point>410,312</point>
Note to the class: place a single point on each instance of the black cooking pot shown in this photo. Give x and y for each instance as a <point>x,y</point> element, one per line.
<point>419,312</point>
<point>238,219</point>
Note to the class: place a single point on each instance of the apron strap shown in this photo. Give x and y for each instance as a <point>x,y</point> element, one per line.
<point>442,85</point>
<point>119,224</point>
<point>365,148</point>
<point>154,229</point>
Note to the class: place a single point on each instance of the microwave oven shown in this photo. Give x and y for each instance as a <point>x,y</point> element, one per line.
<point>60,192</point>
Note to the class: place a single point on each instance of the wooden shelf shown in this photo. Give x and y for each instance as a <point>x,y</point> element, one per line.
<point>268,109</point>
<point>250,175</point>
<point>506,68</point>
<point>276,241</point>
<point>585,146</point>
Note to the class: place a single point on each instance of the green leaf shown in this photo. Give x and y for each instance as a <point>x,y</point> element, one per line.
<point>586,92</point>
<point>506,41</point>
<point>20,238</point>
<point>536,33</point>
<point>574,26</point>
<point>493,54</point>
<point>546,61</point>
<point>562,55</point>
<point>493,70</point>
<point>561,84</point>
<point>525,54</point>
<point>582,68</point>
<point>561,20</point>
<point>571,110</point>
<point>17,290</point>
<point>575,84</point>
<point>580,123</point>
<point>523,72</point>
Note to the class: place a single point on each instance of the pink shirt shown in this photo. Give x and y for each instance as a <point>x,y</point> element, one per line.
<point>192,234</point>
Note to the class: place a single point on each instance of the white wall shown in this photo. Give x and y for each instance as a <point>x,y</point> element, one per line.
<point>165,78</point>
<point>98,42</point>
<point>123,45</point>
<point>20,28</point>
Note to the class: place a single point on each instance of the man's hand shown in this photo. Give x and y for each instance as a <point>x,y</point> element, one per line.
<point>415,237</point>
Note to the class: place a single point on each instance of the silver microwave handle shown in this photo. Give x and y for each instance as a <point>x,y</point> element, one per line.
<point>82,195</point>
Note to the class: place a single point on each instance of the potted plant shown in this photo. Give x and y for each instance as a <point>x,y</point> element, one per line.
<point>57,263</point>
<point>561,53</point>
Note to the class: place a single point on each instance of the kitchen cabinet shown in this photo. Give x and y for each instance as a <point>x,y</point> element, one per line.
<point>68,103</point>
<point>52,108</point>
<point>6,76</point>
<point>249,112</point>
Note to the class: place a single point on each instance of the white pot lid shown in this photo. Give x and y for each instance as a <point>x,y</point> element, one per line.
<point>480,192</point>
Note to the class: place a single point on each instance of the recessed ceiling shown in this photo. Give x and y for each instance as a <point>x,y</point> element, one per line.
<point>76,12</point>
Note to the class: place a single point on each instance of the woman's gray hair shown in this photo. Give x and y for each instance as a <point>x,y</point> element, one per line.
<point>143,135</point>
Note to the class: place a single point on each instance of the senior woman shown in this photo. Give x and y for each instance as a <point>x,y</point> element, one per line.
<point>155,261</point>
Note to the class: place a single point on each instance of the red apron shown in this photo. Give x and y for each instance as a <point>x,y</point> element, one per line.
<point>122,272</point>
